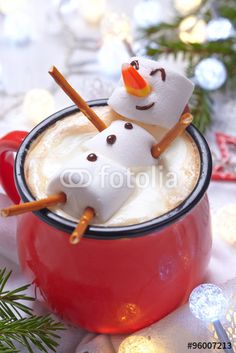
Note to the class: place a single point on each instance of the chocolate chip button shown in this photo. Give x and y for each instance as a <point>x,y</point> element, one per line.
<point>128,126</point>
<point>92,157</point>
<point>111,139</point>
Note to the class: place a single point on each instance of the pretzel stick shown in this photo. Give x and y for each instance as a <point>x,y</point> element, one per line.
<point>79,231</point>
<point>184,121</point>
<point>16,210</point>
<point>77,99</point>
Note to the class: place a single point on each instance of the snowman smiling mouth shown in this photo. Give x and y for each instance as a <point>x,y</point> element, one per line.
<point>145,107</point>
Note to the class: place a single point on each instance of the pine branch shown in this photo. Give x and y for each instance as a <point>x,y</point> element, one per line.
<point>37,330</point>
<point>9,300</point>
<point>166,46</point>
<point>165,36</point>
<point>228,12</point>
<point>201,106</point>
<point>162,26</point>
<point>5,349</point>
<point>29,332</point>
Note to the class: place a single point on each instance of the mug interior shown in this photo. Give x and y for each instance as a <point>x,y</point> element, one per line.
<point>100,232</point>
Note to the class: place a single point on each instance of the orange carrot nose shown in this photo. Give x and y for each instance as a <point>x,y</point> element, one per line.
<point>134,83</point>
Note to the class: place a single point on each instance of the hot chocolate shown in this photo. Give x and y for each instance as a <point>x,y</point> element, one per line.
<point>158,187</point>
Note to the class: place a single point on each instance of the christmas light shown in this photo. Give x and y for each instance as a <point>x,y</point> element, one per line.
<point>116,25</point>
<point>38,104</point>
<point>17,28</point>
<point>210,74</point>
<point>184,7</point>
<point>92,10</point>
<point>219,29</point>
<point>208,303</point>
<point>10,6</point>
<point>226,223</point>
<point>192,30</point>
<point>137,344</point>
<point>147,13</point>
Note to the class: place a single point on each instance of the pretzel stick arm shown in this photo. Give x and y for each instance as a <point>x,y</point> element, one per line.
<point>177,130</point>
<point>16,210</point>
<point>77,99</point>
<point>79,231</point>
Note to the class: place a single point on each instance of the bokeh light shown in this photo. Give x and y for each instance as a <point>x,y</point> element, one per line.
<point>184,7</point>
<point>192,30</point>
<point>210,74</point>
<point>208,303</point>
<point>38,105</point>
<point>137,344</point>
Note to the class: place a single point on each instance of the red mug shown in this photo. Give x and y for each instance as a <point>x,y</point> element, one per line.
<point>118,279</point>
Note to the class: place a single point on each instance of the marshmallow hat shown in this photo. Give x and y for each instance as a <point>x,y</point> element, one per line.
<point>151,93</point>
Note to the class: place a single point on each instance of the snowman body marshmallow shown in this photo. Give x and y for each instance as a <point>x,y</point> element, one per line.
<point>125,143</point>
<point>92,180</point>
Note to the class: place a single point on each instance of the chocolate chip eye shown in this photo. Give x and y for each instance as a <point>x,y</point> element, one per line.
<point>128,126</point>
<point>111,139</point>
<point>92,157</point>
<point>162,71</point>
<point>135,64</point>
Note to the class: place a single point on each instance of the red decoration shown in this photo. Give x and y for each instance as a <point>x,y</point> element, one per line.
<point>223,168</point>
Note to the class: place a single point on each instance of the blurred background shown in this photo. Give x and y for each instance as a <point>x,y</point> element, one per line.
<point>89,40</point>
<point>84,38</point>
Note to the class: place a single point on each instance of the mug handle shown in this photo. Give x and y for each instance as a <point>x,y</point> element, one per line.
<point>9,144</point>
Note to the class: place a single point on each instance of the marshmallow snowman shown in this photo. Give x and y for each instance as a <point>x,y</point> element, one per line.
<point>125,143</point>
<point>93,181</point>
<point>151,93</point>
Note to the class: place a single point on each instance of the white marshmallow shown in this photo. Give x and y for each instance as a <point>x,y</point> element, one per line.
<point>132,147</point>
<point>102,184</point>
<point>170,96</point>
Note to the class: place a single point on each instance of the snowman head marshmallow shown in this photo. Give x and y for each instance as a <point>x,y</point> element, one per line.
<point>151,93</point>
